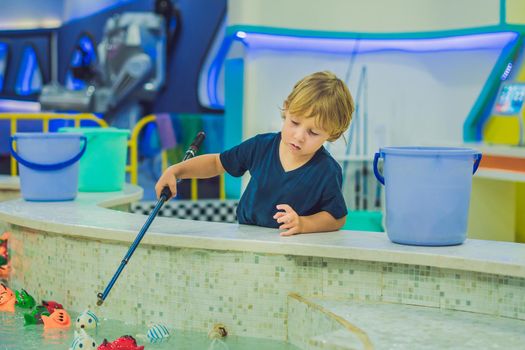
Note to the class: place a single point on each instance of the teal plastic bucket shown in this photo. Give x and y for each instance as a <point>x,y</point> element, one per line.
<point>48,164</point>
<point>427,193</point>
<point>103,167</point>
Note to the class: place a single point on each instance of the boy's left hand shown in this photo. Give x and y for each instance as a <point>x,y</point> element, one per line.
<point>289,219</point>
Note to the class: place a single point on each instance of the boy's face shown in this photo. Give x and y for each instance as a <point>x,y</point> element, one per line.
<point>301,136</point>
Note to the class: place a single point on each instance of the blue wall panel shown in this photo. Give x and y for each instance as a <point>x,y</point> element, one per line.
<point>199,21</point>
<point>17,41</point>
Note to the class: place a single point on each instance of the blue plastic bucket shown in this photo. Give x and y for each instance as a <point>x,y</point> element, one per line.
<point>48,164</point>
<point>427,193</point>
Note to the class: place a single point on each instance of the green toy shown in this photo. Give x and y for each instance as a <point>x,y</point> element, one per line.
<point>24,299</point>
<point>35,316</point>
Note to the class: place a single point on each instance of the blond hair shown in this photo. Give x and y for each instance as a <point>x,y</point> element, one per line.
<point>323,96</point>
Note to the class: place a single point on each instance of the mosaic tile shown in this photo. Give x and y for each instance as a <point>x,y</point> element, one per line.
<point>192,289</point>
<point>469,291</point>
<point>352,279</point>
<point>511,297</point>
<point>410,284</point>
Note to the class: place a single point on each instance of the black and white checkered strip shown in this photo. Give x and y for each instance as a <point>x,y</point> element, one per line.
<point>204,210</point>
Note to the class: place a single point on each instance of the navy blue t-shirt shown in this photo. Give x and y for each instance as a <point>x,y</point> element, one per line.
<point>309,189</point>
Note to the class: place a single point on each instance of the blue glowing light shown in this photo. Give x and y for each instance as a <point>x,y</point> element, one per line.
<point>347,46</point>
<point>29,78</point>
<point>507,71</point>
<point>3,63</point>
<point>83,56</point>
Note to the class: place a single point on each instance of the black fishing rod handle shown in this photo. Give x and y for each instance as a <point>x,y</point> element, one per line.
<point>165,193</point>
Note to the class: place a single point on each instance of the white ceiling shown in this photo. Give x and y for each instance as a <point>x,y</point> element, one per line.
<point>31,14</point>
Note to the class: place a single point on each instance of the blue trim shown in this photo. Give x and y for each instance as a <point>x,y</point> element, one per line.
<point>215,70</point>
<point>233,34</point>
<point>502,12</point>
<point>232,30</point>
<point>473,125</point>
<point>233,116</point>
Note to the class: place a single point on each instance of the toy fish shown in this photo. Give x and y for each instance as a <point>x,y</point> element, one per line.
<point>218,331</point>
<point>4,271</point>
<point>126,342</point>
<point>86,320</point>
<point>83,341</point>
<point>35,316</point>
<point>7,299</point>
<point>52,305</point>
<point>157,333</point>
<point>4,255</point>
<point>58,319</point>
<point>24,299</point>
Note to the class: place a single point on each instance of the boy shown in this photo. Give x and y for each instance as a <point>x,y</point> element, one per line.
<point>295,183</point>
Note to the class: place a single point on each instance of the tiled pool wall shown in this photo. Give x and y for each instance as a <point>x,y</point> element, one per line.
<point>310,326</point>
<point>192,289</point>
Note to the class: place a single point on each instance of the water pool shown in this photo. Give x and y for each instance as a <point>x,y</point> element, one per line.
<point>15,336</point>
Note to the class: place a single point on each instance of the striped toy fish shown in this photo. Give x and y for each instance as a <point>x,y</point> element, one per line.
<point>158,333</point>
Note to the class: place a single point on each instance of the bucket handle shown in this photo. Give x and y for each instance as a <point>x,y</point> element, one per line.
<point>47,167</point>
<point>380,178</point>
<point>477,159</point>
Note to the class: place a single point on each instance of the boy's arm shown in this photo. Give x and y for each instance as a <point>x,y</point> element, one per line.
<point>320,222</point>
<point>201,167</point>
<point>294,224</point>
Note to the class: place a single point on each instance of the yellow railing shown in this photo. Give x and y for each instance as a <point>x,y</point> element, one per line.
<point>132,167</point>
<point>45,118</point>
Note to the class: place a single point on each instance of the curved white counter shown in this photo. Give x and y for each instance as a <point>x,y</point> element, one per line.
<point>88,216</point>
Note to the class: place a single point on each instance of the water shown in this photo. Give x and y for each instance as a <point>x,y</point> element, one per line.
<point>15,336</point>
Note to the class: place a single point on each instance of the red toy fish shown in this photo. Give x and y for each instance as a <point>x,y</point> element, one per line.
<point>51,306</point>
<point>4,254</point>
<point>126,342</point>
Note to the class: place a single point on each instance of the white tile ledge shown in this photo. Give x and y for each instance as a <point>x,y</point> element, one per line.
<point>88,217</point>
<point>9,182</point>
<point>400,326</point>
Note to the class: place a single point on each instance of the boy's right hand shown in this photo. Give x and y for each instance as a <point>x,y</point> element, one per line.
<point>167,179</point>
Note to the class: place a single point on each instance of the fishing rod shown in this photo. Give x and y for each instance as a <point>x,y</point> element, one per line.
<point>164,196</point>
<point>365,139</point>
